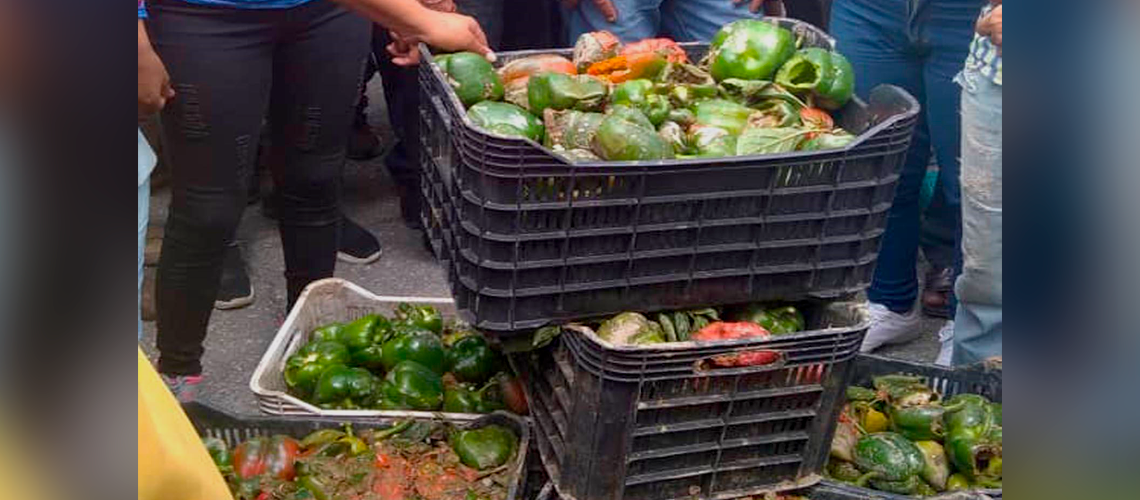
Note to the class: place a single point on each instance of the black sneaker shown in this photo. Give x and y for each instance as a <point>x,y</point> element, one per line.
<point>363,144</point>
<point>235,290</point>
<point>357,245</point>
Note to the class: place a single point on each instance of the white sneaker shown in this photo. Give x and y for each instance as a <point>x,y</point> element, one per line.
<point>889,327</point>
<point>946,337</point>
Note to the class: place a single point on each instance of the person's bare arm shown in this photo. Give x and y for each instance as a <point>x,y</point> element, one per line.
<point>154,82</point>
<point>411,23</point>
<point>990,26</point>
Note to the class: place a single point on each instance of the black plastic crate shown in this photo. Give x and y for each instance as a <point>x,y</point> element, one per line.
<point>233,430</point>
<point>980,379</point>
<point>627,423</point>
<point>538,240</point>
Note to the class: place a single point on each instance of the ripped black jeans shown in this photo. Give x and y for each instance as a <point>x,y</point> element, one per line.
<point>230,68</point>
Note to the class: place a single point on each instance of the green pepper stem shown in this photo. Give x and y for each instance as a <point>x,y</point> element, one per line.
<point>400,426</point>
<point>862,480</point>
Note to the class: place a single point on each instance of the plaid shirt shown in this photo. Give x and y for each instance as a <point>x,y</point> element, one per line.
<point>984,57</point>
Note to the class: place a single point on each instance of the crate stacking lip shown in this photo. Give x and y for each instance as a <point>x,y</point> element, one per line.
<point>981,378</point>
<point>535,239</point>
<point>658,423</point>
<point>211,422</point>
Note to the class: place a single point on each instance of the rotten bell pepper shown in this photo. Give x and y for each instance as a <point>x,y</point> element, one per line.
<point>411,386</point>
<point>571,129</point>
<point>936,468</point>
<point>777,320</point>
<point>593,47</point>
<point>471,359</point>
<point>341,387</point>
<point>627,135</point>
<point>306,366</point>
<point>630,328</point>
<point>640,94</point>
<point>721,113</point>
<point>472,77</point>
<point>891,462</point>
<point>516,73</point>
<point>749,49</point>
<point>484,448</point>
<point>422,347</point>
<point>507,119</point>
<point>420,316</point>
<point>973,438</point>
<point>723,330</point>
<point>558,91</point>
<point>624,68</point>
<point>823,77</point>
<point>868,417</point>
<point>274,456</point>
<point>674,134</point>
<point>663,46</point>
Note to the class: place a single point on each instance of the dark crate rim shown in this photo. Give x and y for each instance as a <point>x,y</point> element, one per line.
<point>208,420</point>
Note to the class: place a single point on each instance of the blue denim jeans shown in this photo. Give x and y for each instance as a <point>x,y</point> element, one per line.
<point>918,45</point>
<point>681,20</point>
<point>977,324</point>
<point>147,160</point>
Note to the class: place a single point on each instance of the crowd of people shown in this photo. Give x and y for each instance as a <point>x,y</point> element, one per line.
<point>243,83</point>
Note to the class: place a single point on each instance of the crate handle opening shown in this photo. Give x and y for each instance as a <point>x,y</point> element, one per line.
<point>746,361</point>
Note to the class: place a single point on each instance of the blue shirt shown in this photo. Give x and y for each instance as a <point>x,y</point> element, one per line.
<point>239,4</point>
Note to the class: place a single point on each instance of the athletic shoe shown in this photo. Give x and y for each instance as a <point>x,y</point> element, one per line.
<point>889,327</point>
<point>357,245</point>
<point>184,387</point>
<point>235,291</point>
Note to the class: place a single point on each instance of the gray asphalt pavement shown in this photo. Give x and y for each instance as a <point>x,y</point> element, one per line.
<point>238,338</point>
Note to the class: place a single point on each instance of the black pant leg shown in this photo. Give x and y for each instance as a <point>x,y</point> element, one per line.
<point>220,62</point>
<point>316,74</point>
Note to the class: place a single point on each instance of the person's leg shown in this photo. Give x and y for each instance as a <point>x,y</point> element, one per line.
<point>937,242</point>
<point>977,324</point>
<point>636,19</point>
<point>699,20</point>
<point>316,70</point>
<point>872,34</point>
<point>219,62</point>
<point>402,94</point>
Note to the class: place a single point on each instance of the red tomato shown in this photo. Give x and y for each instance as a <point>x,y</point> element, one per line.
<point>816,118</point>
<point>721,330</point>
<point>513,395</point>
<point>664,46</point>
<point>747,358</point>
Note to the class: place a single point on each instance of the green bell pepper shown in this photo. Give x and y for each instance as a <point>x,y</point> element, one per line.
<point>957,482</point>
<point>722,113</point>
<point>571,129</point>
<point>620,138</point>
<point>484,448</point>
<point>466,398</point>
<point>887,456</point>
<point>777,320</point>
<point>824,77</point>
<point>682,116</point>
<point>718,147</point>
<point>424,348</point>
<point>640,94</point>
<point>472,77</point>
<point>341,387</point>
<point>410,385</point>
<point>857,393</point>
<point>330,331</point>
<point>973,437</point>
<point>835,139</point>
<point>371,357</point>
<point>917,423</point>
<point>749,49</point>
<point>361,333</point>
<point>560,91</point>
<point>306,366</point>
<point>674,134</point>
<point>506,119</point>
<point>471,359</point>
<point>422,316</point>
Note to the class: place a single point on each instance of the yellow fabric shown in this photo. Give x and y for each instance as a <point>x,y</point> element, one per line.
<point>173,464</point>
<point>16,471</point>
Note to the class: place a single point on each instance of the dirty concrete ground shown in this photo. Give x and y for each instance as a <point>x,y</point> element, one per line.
<point>238,338</point>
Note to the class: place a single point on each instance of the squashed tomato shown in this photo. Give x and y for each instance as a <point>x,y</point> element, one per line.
<point>722,330</point>
<point>664,46</point>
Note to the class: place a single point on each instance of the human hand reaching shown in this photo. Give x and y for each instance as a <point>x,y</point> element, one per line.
<point>770,7</point>
<point>154,82</point>
<point>446,31</point>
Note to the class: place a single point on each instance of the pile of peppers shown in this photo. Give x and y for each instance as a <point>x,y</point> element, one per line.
<point>703,325</point>
<point>411,459</point>
<point>755,92</point>
<point>407,362</point>
<point>902,437</point>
